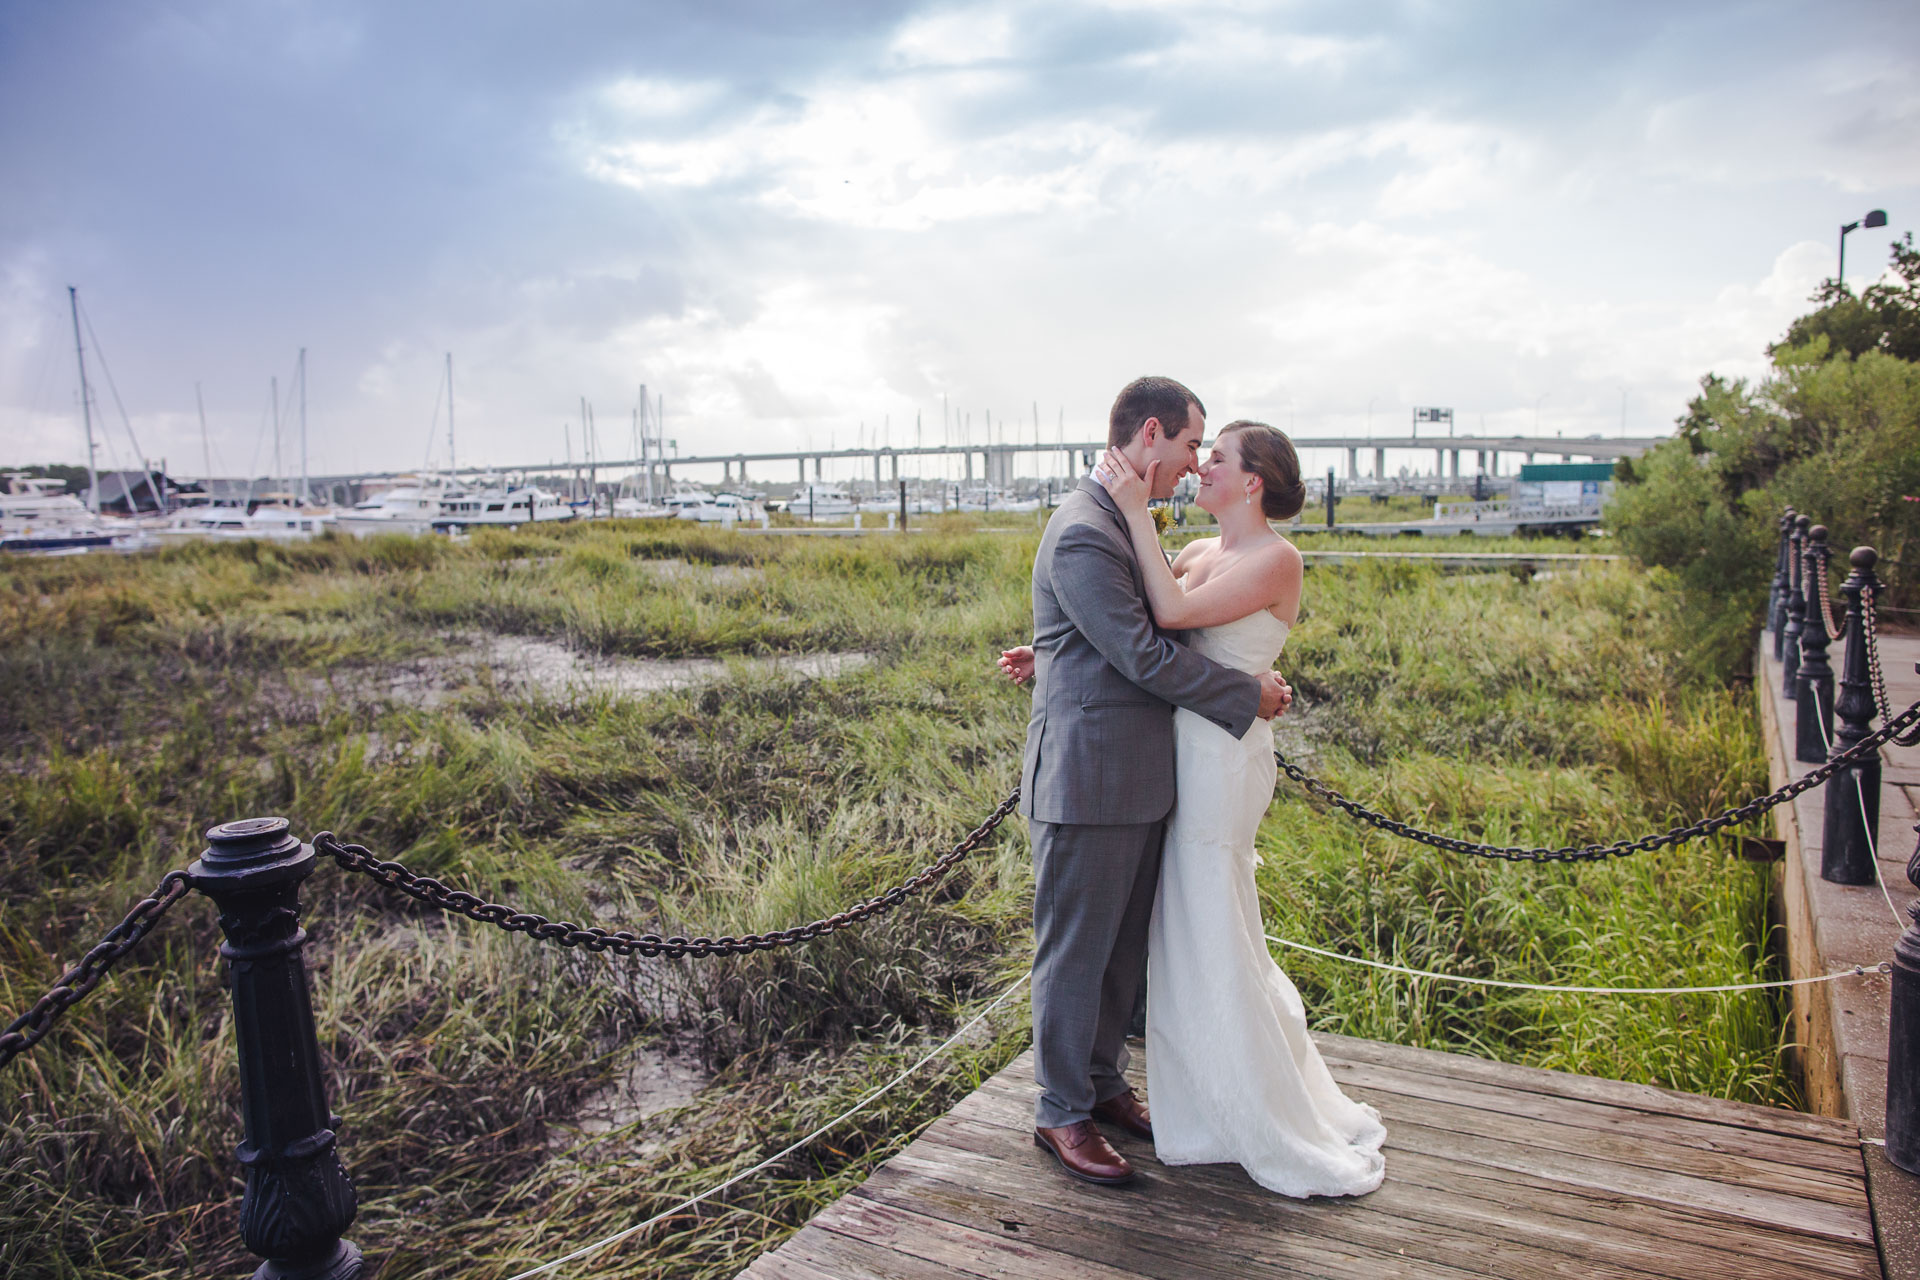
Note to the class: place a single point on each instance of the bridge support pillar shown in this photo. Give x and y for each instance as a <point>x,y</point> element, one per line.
<point>1439,464</point>
<point>1453,458</point>
<point>299,1200</point>
<point>1353,464</point>
<point>1379,464</point>
<point>803,469</point>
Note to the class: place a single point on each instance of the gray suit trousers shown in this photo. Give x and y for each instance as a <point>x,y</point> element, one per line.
<point>1093,890</point>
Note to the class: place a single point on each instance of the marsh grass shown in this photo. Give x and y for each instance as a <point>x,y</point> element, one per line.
<point>141,700</point>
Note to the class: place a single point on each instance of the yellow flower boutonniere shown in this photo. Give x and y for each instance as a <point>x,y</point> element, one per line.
<point>1162,518</point>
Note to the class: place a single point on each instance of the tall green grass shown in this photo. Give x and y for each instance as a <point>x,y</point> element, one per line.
<point>143,699</point>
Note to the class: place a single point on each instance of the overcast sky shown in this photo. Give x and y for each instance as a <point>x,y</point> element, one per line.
<point>794,219</point>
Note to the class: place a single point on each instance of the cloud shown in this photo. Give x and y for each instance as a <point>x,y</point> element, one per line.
<point>793,219</point>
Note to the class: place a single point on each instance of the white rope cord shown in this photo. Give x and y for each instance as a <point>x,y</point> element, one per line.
<point>848,1114</point>
<point>1855,972</point>
<point>1873,851</point>
<point>1860,794</point>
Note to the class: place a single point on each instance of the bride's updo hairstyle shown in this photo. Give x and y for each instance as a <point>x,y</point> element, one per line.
<point>1266,452</point>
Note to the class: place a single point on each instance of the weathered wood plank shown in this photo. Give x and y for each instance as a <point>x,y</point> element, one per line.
<point>1549,1135</point>
<point>1240,1223</point>
<point>1275,1258</point>
<point>1663,1128</point>
<point>1492,1170</point>
<point>1563,1162</point>
<point>1560,1084</point>
<point>1237,1238</point>
<point>1799,1253</point>
<point>954,1139</point>
<point>783,1264</point>
<point>1762,1209</point>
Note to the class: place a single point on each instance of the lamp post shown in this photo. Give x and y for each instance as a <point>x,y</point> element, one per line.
<point>1877,218</point>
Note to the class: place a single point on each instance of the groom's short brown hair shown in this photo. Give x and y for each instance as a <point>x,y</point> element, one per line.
<point>1144,398</point>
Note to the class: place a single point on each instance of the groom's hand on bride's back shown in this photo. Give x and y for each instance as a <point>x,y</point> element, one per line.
<point>1275,695</point>
<point>1017,663</point>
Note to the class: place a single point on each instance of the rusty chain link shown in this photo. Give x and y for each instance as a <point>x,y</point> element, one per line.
<point>353,857</point>
<point>32,1026</point>
<point>1619,848</point>
<point>1867,614</point>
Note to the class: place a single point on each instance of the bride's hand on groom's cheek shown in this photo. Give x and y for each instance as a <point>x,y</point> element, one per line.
<point>1127,487</point>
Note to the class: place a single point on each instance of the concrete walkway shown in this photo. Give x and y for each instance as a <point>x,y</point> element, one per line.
<point>1840,1028</point>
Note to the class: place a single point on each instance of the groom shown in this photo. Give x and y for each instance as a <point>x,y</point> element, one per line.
<point>1098,780</point>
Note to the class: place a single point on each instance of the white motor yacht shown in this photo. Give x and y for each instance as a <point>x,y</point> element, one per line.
<point>36,514</point>
<point>271,522</point>
<point>822,502</point>
<point>500,508</point>
<point>636,508</point>
<point>685,496</point>
<point>992,498</point>
<point>408,507</point>
<point>723,508</point>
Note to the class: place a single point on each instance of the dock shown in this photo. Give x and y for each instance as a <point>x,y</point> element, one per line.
<point>1492,1170</point>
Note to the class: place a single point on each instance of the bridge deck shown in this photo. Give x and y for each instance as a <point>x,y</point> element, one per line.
<point>1492,1170</point>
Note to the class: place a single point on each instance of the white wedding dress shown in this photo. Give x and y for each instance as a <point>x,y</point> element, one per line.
<point>1231,1072</point>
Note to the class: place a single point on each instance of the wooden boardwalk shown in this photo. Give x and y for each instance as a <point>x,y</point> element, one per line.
<point>1492,1170</point>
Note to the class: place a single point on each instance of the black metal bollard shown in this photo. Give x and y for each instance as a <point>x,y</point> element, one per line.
<point>299,1199</point>
<point>1782,583</point>
<point>1777,597</point>
<point>1813,688</point>
<point>1796,609</point>
<point>1903,1038</point>
<point>1853,794</point>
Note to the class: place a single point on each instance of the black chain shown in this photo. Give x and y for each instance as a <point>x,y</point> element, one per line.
<point>354,857</point>
<point>1619,848</point>
<point>32,1026</point>
<point>1867,612</point>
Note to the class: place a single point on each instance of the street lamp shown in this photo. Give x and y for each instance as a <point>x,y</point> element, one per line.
<point>1877,218</point>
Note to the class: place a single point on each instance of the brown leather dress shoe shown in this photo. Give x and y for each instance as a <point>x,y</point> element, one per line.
<point>1084,1152</point>
<point>1127,1111</point>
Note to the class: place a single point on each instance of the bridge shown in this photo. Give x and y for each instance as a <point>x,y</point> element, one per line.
<point>997,461</point>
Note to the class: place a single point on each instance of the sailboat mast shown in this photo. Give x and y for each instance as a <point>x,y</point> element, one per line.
<point>592,446</point>
<point>86,401</point>
<point>206,450</point>
<point>646,464</point>
<point>273,392</point>
<point>306,489</point>
<point>453,466</point>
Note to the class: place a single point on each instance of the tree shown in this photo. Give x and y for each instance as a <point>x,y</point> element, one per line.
<point>1833,430</point>
<point>1886,317</point>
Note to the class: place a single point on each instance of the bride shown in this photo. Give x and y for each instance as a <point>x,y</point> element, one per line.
<point>1232,1074</point>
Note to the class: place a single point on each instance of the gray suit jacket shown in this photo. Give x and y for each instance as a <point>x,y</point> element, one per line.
<point>1106,680</point>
